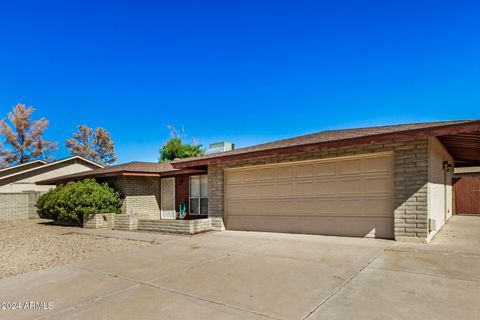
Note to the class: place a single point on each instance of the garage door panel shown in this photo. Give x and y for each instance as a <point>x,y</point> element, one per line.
<point>242,176</point>
<point>267,174</point>
<point>304,207</point>
<point>325,206</point>
<point>266,190</point>
<point>378,206</point>
<point>380,185</point>
<point>325,188</point>
<point>326,169</point>
<point>342,197</point>
<point>349,206</point>
<point>234,177</point>
<point>284,172</point>
<point>345,226</point>
<point>286,205</point>
<point>240,207</point>
<point>350,167</point>
<point>242,191</point>
<point>350,186</point>
<point>305,170</point>
<point>377,165</point>
<point>306,188</point>
<point>252,208</point>
<point>285,189</point>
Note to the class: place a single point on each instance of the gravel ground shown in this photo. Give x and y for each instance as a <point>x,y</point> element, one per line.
<point>30,245</point>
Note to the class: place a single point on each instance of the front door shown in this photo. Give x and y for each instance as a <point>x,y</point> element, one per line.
<point>167,198</point>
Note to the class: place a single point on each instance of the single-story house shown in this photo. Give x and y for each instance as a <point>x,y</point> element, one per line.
<point>386,182</point>
<point>18,188</point>
<point>466,190</point>
<point>152,190</point>
<point>23,177</point>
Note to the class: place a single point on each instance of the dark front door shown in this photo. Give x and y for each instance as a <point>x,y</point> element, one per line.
<point>467,195</point>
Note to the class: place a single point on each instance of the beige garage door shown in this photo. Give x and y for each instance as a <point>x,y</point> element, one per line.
<point>348,196</point>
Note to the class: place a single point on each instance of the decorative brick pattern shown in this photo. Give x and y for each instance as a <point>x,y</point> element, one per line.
<point>18,205</point>
<point>410,180</point>
<point>99,221</point>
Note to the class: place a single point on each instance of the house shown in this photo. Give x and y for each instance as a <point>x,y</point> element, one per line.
<point>18,188</point>
<point>151,190</point>
<point>23,177</point>
<point>387,182</point>
<point>466,190</point>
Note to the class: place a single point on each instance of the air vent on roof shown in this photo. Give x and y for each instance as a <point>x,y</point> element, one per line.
<point>220,147</point>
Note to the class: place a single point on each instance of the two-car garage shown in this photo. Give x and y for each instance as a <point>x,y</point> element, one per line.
<point>349,196</point>
<point>385,182</point>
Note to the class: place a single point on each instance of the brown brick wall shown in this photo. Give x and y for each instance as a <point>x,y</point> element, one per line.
<point>411,175</point>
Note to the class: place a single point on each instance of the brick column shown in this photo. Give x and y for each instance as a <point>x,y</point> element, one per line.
<point>411,189</point>
<point>216,191</point>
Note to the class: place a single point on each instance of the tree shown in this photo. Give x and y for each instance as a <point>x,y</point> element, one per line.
<point>23,138</point>
<point>96,146</point>
<point>175,148</point>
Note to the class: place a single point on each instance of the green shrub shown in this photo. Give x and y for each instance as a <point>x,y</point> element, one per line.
<point>72,201</point>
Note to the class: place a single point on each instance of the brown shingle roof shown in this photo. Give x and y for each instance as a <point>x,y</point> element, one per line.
<point>130,167</point>
<point>322,137</point>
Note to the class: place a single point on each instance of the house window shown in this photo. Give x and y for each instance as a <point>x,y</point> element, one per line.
<point>199,194</point>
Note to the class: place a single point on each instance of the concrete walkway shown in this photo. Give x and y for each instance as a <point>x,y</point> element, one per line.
<point>248,275</point>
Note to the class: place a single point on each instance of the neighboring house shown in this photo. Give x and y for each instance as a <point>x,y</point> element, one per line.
<point>23,177</point>
<point>466,187</point>
<point>18,188</point>
<point>385,182</point>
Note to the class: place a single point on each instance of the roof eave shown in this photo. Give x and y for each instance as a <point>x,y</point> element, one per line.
<point>411,134</point>
<point>61,180</point>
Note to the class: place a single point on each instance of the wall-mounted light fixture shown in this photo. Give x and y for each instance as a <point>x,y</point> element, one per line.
<point>447,166</point>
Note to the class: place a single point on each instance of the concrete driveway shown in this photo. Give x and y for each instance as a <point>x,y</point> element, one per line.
<point>247,275</point>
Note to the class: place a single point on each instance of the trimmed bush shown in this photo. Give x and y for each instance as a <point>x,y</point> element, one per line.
<point>72,201</point>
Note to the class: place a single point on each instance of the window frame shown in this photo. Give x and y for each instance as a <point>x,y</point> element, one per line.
<point>199,197</point>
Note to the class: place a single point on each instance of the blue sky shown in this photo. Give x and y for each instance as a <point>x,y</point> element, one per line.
<point>243,71</point>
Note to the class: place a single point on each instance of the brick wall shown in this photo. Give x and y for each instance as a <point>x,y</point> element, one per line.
<point>32,202</point>
<point>99,221</point>
<point>19,205</point>
<point>181,226</point>
<point>142,195</point>
<point>410,180</point>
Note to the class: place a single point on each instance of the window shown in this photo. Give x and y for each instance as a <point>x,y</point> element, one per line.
<point>199,194</point>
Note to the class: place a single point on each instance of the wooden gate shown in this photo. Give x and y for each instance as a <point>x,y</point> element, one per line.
<point>467,195</point>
